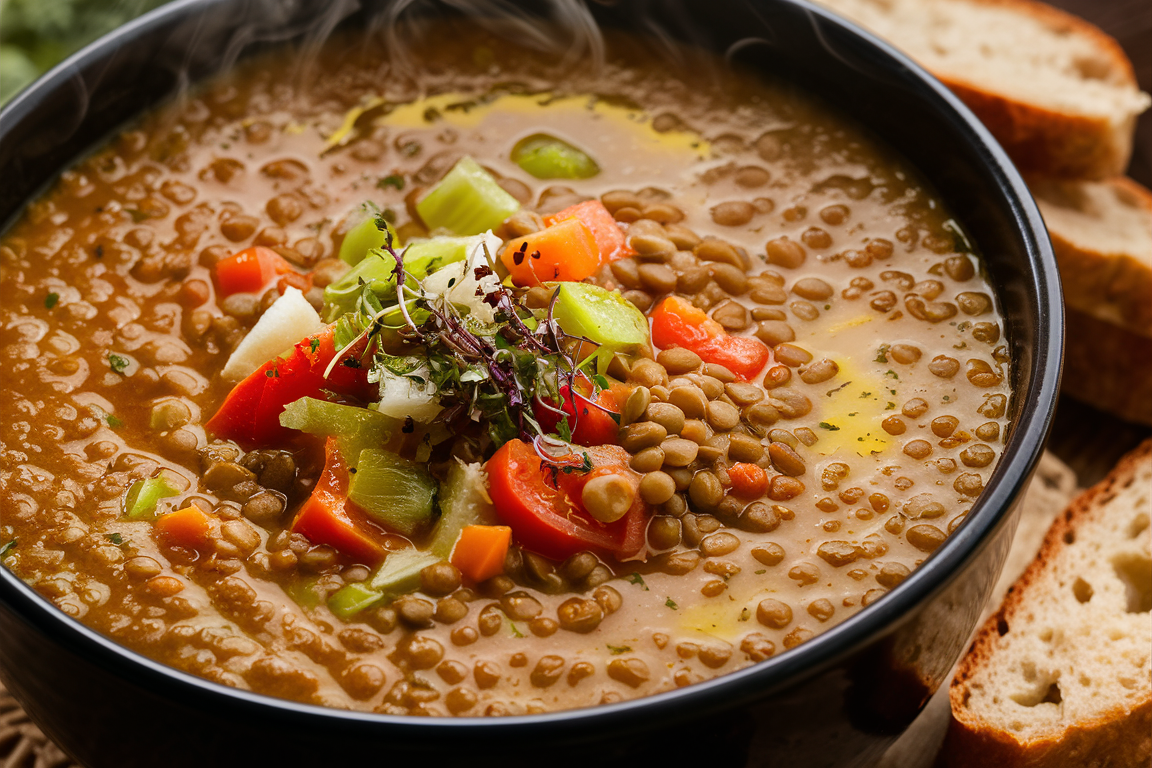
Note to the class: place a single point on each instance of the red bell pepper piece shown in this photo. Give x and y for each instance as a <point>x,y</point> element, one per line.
<point>250,270</point>
<point>593,425</point>
<point>676,323</point>
<point>543,506</point>
<point>250,414</point>
<point>605,231</point>
<point>327,517</point>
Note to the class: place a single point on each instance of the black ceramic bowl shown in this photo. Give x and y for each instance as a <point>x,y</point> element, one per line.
<point>837,700</point>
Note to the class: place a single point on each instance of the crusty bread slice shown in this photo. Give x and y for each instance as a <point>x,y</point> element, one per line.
<point>1061,675</point>
<point>1102,236</point>
<point>1107,367</point>
<point>1058,94</point>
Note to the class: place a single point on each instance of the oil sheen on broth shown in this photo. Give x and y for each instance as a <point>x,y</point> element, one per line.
<point>885,400</point>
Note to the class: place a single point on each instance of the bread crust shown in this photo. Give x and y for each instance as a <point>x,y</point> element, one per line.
<point>1056,144</point>
<point>1108,367</point>
<point>1115,287</point>
<point>1117,739</point>
<point>1044,141</point>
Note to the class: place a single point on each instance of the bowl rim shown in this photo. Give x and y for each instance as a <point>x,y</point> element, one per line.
<point>992,509</point>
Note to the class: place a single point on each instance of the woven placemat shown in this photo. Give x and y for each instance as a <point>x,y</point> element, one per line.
<point>22,744</point>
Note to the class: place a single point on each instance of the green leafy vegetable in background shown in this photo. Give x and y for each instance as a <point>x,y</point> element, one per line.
<point>37,34</point>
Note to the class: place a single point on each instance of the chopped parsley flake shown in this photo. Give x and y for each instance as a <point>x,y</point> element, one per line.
<point>117,362</point>
<point>762,570</point>
<point>314,344</point>
<point>891,374</point>
<point>564,430</point>
<point>616,650</point>
<point>113,421</point>
<point>829,427</point>
<point>51,299</point>
<point>671,604</point>
<point>115,538</point>
<point>882,354</point>
<point>636,578</point>
<point>890,406</point>
<point>864,395</point>
<point>396,181</point>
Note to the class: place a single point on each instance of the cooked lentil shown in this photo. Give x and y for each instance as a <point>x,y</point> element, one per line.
<point>113,383</point>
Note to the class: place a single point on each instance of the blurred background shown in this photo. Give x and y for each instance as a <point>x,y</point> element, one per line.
<point>37,34</point>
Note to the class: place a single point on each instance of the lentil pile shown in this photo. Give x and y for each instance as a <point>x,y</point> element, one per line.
<point>770,505</point>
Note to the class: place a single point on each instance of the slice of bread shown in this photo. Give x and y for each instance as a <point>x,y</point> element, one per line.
<point>1061,675</point>
<point>1057,93</point>
<point>1107,367</point>
<point>1102,236</point>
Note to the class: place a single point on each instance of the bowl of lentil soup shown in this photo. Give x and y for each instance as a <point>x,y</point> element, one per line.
<point>553,404</point>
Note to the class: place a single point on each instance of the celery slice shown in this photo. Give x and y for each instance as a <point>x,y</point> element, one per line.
<point>140,501</point>
<point>355,428</point>
<point>467,201</point>
<point>397,492</point>
<point>547,157</point>
<point>378,271</point>
<point>463,502</point>
<point>604,316</point>
<point>424,257</point>
<point>399,574</point>
<point>351,599</point>
<point>365,236</point>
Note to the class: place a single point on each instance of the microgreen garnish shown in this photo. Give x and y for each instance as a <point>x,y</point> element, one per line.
<point>497,363</point>
<point>51,299</point>
<point>395,180</point>
<point>314,344</point>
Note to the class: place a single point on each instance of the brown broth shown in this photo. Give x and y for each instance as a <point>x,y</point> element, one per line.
<point>116,259</point>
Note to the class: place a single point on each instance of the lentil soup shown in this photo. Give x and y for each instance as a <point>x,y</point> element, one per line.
<point>464,393</point>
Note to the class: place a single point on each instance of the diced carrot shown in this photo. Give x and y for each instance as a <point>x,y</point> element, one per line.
<point>298,280</point>
<point>327,516</point>
<point>677,323</point>
<point>480,551</point>
<point>563,251</point>
<point>188,528</point>
<point>749,481</point>
<point>607,233</point>
<point>250,270</point>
